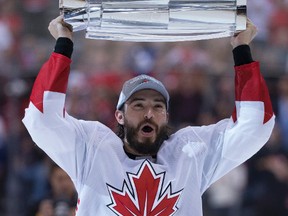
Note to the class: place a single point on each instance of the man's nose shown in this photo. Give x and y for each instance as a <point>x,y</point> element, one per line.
<point>149,114</point>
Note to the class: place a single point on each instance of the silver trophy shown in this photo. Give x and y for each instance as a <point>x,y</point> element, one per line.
<point>155,20</point>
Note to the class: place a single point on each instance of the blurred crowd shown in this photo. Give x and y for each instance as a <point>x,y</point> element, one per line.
<point>199,76</point>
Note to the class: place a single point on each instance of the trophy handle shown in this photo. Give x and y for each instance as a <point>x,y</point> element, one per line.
<point>241,16</point>
<point>75,13</point>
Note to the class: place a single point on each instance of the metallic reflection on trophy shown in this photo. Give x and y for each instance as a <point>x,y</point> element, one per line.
<point>155,20</point>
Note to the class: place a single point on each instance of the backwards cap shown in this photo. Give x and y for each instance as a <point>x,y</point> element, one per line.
<point>138,83</point>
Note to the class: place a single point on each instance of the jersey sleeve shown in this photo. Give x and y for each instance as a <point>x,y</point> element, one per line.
<point>63,138</point>
<point>231,142</point>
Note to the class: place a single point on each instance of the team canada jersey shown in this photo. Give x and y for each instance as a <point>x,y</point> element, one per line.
<point>110,183</point>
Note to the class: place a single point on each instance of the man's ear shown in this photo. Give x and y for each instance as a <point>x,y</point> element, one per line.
<point>119,115</point>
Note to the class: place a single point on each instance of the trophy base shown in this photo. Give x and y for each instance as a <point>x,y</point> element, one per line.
<point>155,20</point>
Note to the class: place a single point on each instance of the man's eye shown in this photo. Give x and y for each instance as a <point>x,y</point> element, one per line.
<point>138,105</point>
<point>159,106</point>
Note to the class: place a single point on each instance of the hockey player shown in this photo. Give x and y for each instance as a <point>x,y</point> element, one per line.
<point>145,170</point>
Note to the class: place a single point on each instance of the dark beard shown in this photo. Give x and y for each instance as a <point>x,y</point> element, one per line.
<point>147,147</point>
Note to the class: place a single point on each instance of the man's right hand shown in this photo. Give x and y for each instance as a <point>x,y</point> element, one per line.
<point>58,28</point>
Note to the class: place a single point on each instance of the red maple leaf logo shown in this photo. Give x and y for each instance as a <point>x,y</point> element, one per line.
<point>147,197</point>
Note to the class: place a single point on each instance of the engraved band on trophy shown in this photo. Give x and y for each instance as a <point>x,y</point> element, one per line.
<point>155,20</point>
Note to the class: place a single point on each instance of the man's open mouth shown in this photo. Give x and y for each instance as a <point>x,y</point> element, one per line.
<point>147,129</point>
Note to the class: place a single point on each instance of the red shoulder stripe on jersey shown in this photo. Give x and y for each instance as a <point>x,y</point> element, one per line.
<point>53,76</point>
<point>250,86</point>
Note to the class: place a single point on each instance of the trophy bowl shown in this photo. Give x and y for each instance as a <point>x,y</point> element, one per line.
<point>155,20</point>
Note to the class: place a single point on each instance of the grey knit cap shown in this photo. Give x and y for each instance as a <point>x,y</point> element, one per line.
<point>139,83</point>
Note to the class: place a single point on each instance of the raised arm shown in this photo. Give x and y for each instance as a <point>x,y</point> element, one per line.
<point>250,86</point>
<point>233,141</point>
<point>53,75</point>
<point>61,136</point>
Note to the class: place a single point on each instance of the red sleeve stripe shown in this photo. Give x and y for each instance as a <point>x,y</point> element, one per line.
<point>250,86</point>
<point>53,76</point>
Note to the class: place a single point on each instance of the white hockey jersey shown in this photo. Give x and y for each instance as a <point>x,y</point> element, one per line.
<point>110,183</point>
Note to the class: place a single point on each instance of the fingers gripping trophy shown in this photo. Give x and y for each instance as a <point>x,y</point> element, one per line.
<point>155,20</point>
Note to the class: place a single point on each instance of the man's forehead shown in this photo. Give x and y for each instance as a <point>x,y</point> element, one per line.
<point>147,93</point>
